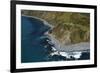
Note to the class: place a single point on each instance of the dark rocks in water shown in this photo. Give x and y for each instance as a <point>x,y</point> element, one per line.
<point>57,58</point>
<point>85,56</point>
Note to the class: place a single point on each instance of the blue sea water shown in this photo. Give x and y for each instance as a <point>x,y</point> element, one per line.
<point>36,46</point>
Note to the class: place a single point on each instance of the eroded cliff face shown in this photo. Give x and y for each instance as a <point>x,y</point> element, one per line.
<point>69,27</point>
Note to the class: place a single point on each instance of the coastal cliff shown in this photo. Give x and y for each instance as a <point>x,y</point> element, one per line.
<point>69,27</point>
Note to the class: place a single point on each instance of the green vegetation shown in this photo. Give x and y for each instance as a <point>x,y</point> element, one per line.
<point>69,27</point>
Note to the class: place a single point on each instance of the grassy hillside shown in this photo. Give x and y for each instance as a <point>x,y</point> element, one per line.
<point>69,27</point>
